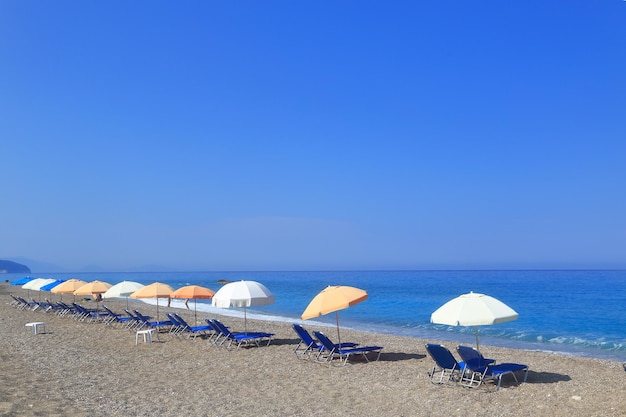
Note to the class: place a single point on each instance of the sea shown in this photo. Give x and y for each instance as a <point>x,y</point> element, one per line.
<point>568,312</point>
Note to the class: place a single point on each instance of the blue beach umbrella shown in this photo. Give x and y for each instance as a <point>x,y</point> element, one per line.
<point>22,281</point>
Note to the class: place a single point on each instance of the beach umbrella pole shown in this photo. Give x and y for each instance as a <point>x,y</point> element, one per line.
<point>337,321</point>
<point>476,334</point>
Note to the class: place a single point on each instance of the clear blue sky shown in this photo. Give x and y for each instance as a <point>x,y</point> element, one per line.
<point>214,135</point>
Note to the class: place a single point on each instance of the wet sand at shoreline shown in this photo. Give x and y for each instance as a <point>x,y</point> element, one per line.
<point>91,369</point>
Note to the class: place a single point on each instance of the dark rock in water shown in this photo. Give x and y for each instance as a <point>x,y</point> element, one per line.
<point>10,267</point>
<point>223,281</point>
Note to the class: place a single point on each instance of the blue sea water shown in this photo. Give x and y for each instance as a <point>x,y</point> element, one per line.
<point>572,312</point>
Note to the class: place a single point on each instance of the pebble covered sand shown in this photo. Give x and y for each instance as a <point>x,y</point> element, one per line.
<point>92,369</point>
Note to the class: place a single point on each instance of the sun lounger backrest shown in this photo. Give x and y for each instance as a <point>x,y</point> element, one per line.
<point>181,321</point>
<point>304,335</point>
<point>222,328</point>
<point>325,341</point>
<point>473,359</point>
<point>442,356</point>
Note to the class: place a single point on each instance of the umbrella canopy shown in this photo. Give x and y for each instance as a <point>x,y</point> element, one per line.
<point>68,287</point>
<point>193,292</point>
<point>332,299</point>
<point>36,283</point>
<point>243,294</point>
<point>473,309</point>
<point>123,289</point>
<point>22,281</point>
<point>94,287</point>
<point>50,286</point>
<point>155,290</point>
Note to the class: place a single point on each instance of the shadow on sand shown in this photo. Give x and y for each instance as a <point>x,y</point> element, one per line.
<point>546,377</point>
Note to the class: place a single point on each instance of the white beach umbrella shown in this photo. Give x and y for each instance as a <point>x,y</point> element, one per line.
<point>473,309</point>
<point>242,294</point>
<point>36,284</point>
<point>123,290</point>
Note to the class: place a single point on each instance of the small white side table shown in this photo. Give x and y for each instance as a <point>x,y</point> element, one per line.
<point>36,325</point>
<point>147,336</point>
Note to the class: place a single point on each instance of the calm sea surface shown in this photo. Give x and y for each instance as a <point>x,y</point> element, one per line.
<point>573,312</point>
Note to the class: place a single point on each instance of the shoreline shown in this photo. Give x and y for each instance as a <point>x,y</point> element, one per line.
<point>91,369</point>
<point>561,349</point>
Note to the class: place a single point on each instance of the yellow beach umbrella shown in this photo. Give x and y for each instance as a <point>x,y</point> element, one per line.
<point>155,290</point>
<point>68,287</point>
<point>332,299</point>
<point>193,292</point>
<point>94,287</point>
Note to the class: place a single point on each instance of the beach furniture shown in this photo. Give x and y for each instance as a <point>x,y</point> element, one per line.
<point>332,350</point>
<point>15,301</point>
<point>217,333</point>
<point>36,326</point>
<point>89,314</point>
<point>477,369</point>
<point>57,308</point>
<point>183,327</point>
<point>135,323</point>
<point>177,327</point>
<point>240,338</point>
<point>65,309</point>
<point>153,324</point>
<point>446,366</point>
<point>18,302</point>
<point>26,305</point>
<point>307,345</point>
<point>115,317</point>
<point>147,336</point>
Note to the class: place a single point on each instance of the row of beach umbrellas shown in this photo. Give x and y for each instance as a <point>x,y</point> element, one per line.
<point>233,294</point>
<point>472,309</point>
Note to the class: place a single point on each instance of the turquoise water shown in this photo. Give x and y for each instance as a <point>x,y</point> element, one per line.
<point>574,312</point>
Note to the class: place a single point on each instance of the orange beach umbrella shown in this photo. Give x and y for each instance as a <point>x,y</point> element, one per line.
<point>332,299</point>
<point>155,290</point>
<point>193,292</point>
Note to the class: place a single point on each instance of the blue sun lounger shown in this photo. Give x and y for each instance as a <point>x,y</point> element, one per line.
<point>478,369</point>
<point>181,326</point>
<point>115,317</point>
<point>240,338</point>
<point>308,346</point>
<point>153,324</point>
<point>446,367</point>
<point>333,350</point>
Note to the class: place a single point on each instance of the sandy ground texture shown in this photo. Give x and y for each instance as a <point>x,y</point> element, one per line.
<point>91,369</point>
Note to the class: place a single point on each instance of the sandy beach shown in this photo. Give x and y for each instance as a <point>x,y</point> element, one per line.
<point>91,369</point>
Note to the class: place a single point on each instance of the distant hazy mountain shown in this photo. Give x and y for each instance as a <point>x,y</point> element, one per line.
<point>10,267</point>
<point>40,267</point>
<point>44,267</point>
